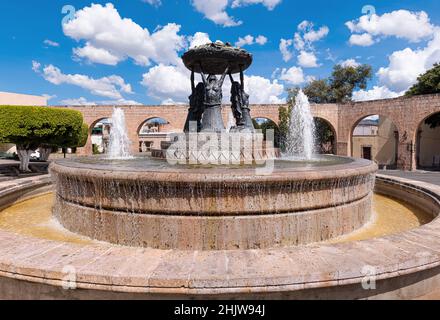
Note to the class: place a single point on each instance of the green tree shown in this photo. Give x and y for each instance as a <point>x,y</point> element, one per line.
<point>339,87</point>
<point>428,83</point>
<point>345,80</point>
<point>33,127</point>
<point>319,91</point>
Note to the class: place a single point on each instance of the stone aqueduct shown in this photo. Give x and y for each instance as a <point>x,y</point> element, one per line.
<point>406,113</point>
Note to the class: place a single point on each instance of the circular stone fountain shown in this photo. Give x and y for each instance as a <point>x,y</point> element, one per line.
<point>271,203</point>
<point>148,203</point>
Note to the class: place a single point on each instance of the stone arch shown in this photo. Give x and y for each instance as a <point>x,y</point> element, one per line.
<point>89,145</point>
<point>277,129</point>
<point>333,129</point>
<point>146,141</point>
<point>427,145</point>
<point>142,124</point>
<point>381,139</point>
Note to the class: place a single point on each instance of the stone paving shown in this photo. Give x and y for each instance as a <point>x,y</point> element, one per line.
<point>432,177</point>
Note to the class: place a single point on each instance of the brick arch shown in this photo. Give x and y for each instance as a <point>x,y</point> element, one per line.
<point>142,123</point>
<point>333,128</point>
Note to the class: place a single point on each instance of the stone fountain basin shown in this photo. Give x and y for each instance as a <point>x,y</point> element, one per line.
<point>219,191</point>
<point>213,209</point>
<point>406,265</point>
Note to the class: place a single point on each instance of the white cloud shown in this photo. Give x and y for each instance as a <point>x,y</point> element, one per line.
<point>262,90</point>
<point>250,40</point>
<point>198,39</point>
<point>261,40</point>
<point>77,102</point>
<point>269,4</point>
<point>215,10</point>
<point>363,40</point>
<point>303,41</point>
<point>404,24</point>
<point>110,87</point>
<point>36,66</point>
<point>376,93</point>
<point>349,63</point>
<point>285,49</point>
<point>307,59</point>
<point>111,39</point>
<point>168,82</point>
<point>84,102</point>
<point>406,65</point>
<point>154,3</point>
<point>294,75</point>
<point>51,43</point>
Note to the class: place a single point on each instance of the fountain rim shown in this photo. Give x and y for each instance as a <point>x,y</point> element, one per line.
<point>357,167</point>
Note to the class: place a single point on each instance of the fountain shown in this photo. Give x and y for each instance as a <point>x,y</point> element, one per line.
<point>273,227</point>
<point>300,141</point>
<point>149,202</point>
<point>119,146</point>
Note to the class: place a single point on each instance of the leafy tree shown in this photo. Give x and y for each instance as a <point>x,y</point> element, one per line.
<point>33,127</point>
<point>345,80</point>
<point>428,83</point>
<point>339,87</point>
<point>319,91</point>
<point>284,122</point>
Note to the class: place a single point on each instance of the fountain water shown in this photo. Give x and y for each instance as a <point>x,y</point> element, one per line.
<point>300,141</point>
<point>119,147</point>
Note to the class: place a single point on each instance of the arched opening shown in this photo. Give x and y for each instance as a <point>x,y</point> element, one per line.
<point>428,143</point>
<point>325,136</point>
<point>265,124</point>
<point>376,138</point>
<point>152,132</point>
<point>100,135</point>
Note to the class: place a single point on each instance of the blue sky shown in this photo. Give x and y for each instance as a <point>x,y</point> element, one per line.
<point>101,58</point>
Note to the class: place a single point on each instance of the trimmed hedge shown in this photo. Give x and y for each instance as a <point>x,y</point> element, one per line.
<point>34,126</point>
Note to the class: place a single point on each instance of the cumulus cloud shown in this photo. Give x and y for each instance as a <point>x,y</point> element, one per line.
<point>262,90</point>
<point>363,40</point>
<point>110,87</point>
<point>406,65</point>
<point>198,39</point>
<point>349,63</point>
<point>307,59</point>
<point>166,82</point>
<point>285,49</point>
<point>404,24</point>
<point>110,39</point>
<point>376,93</point>
<point>293,76</point>
<point>269,4</point>
<point>303,41</point>
<point>215,10</point>
<point>250,40</point>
